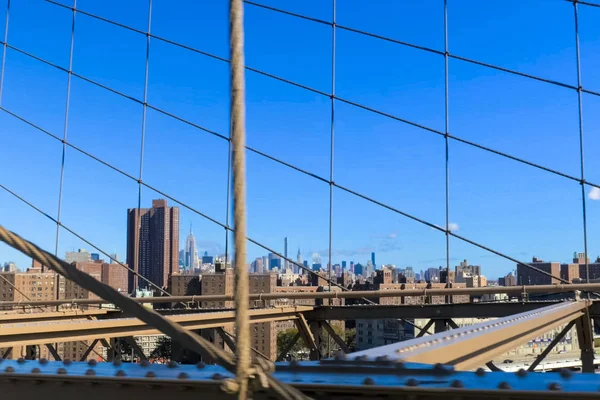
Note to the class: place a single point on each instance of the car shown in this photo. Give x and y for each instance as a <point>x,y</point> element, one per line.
<point>508,361</point>
<point>562,352</point>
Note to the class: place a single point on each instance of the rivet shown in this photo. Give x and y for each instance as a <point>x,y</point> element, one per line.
<point>383,358</point>
<point>43,361</point>
<point>35,371</point>
<point>9,369</point>
<point>368,381</point>
<point>61,371</point>
<point>183,375</point>
<point>200,365</point>
<point>21,360</point>
<point>90,372</point>
<point>521,373</point>
<point>117,363</point>
<point>361,358</point>
<point>503,385</point>
<point>566,373</point>
<point>120,373</point>
<point>294,364</point>
<point>144,363</point>
<point>412,382</point>
<point>172,364</point>
<point>457,384</point>
<point>400,365</point>
<point>554,386</point>
<point>480,372</point>
<point>67,362</point>
<point>92,363</point>
<point>340,356</point>
<point>217,377</point>
<point>150,374</point>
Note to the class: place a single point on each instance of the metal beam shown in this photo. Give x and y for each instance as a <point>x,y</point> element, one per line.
<point>13,317</point>
<point>425,329</point>
<point>89,350</point>
<point>228,341</point>
<point>552,344</point>
<point>307,336</point>
<point>472,346</point>
<point>585,337</point>
<point>408,292</point>
<point>428,311</point>
<point>441,325</point>
<point>338,340</point>
<point>7,352</point>
<point>62,331</point>
<point>53,351</point>
<point>287,349</point>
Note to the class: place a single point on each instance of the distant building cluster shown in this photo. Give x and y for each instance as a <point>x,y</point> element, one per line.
<point>571,272</point>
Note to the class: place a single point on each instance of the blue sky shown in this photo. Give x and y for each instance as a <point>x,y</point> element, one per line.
<point>508,206</point>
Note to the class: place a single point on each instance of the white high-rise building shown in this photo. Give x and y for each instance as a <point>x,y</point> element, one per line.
<point>80,255</point>
<point>191,253</point>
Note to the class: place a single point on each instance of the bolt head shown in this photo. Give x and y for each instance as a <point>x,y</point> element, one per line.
<point>504,385</point>
<point>90,372</point>
<point>368,381</point>
<point>150,374</point>
<point>201,365</point>
<point>43,361</point>
<point>554,386</point>
<point>566,373</point>
<point>9,370</point>
<point>61,371</point>
<point>120,373</point>
<point>144,363</point>
<point>183,375</point>
<point>35,371</point>
<point>521,373</point>
<point>117,363</point>
<point>480,372</point>
<point>21,360</point>
<point>412,382</point>
<point>172,364</point>
<point>457,384</point>
<point>67,362</point>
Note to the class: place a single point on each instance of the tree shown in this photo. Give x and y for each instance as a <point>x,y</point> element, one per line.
<point>298,351</point>
<point>163,348</point>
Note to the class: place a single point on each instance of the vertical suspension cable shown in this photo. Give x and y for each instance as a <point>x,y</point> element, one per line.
<point>238,144</point>
<point>332,141</point>
<point>446,114</point>
<point>4,46</point>
<point>228,210</point>
<point>64,146</point>
<point>581,145</point>
<point>143,135</point>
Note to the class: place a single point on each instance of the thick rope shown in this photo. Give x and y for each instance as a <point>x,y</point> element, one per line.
<point>238,147</point>
<point>149,316</point>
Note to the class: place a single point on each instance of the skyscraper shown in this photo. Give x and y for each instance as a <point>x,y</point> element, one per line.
<point>191,253</point>
<point>299,261</point>
<point>152,243</point>
<point>285,254</point>
<point>373,260</point>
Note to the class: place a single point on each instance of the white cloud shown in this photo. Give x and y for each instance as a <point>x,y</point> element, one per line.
<point>594,194</point>
<point>393,235</point>
<point>453,227</point>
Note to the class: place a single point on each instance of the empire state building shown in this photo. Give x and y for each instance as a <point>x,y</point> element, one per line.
<point>191,253</point>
